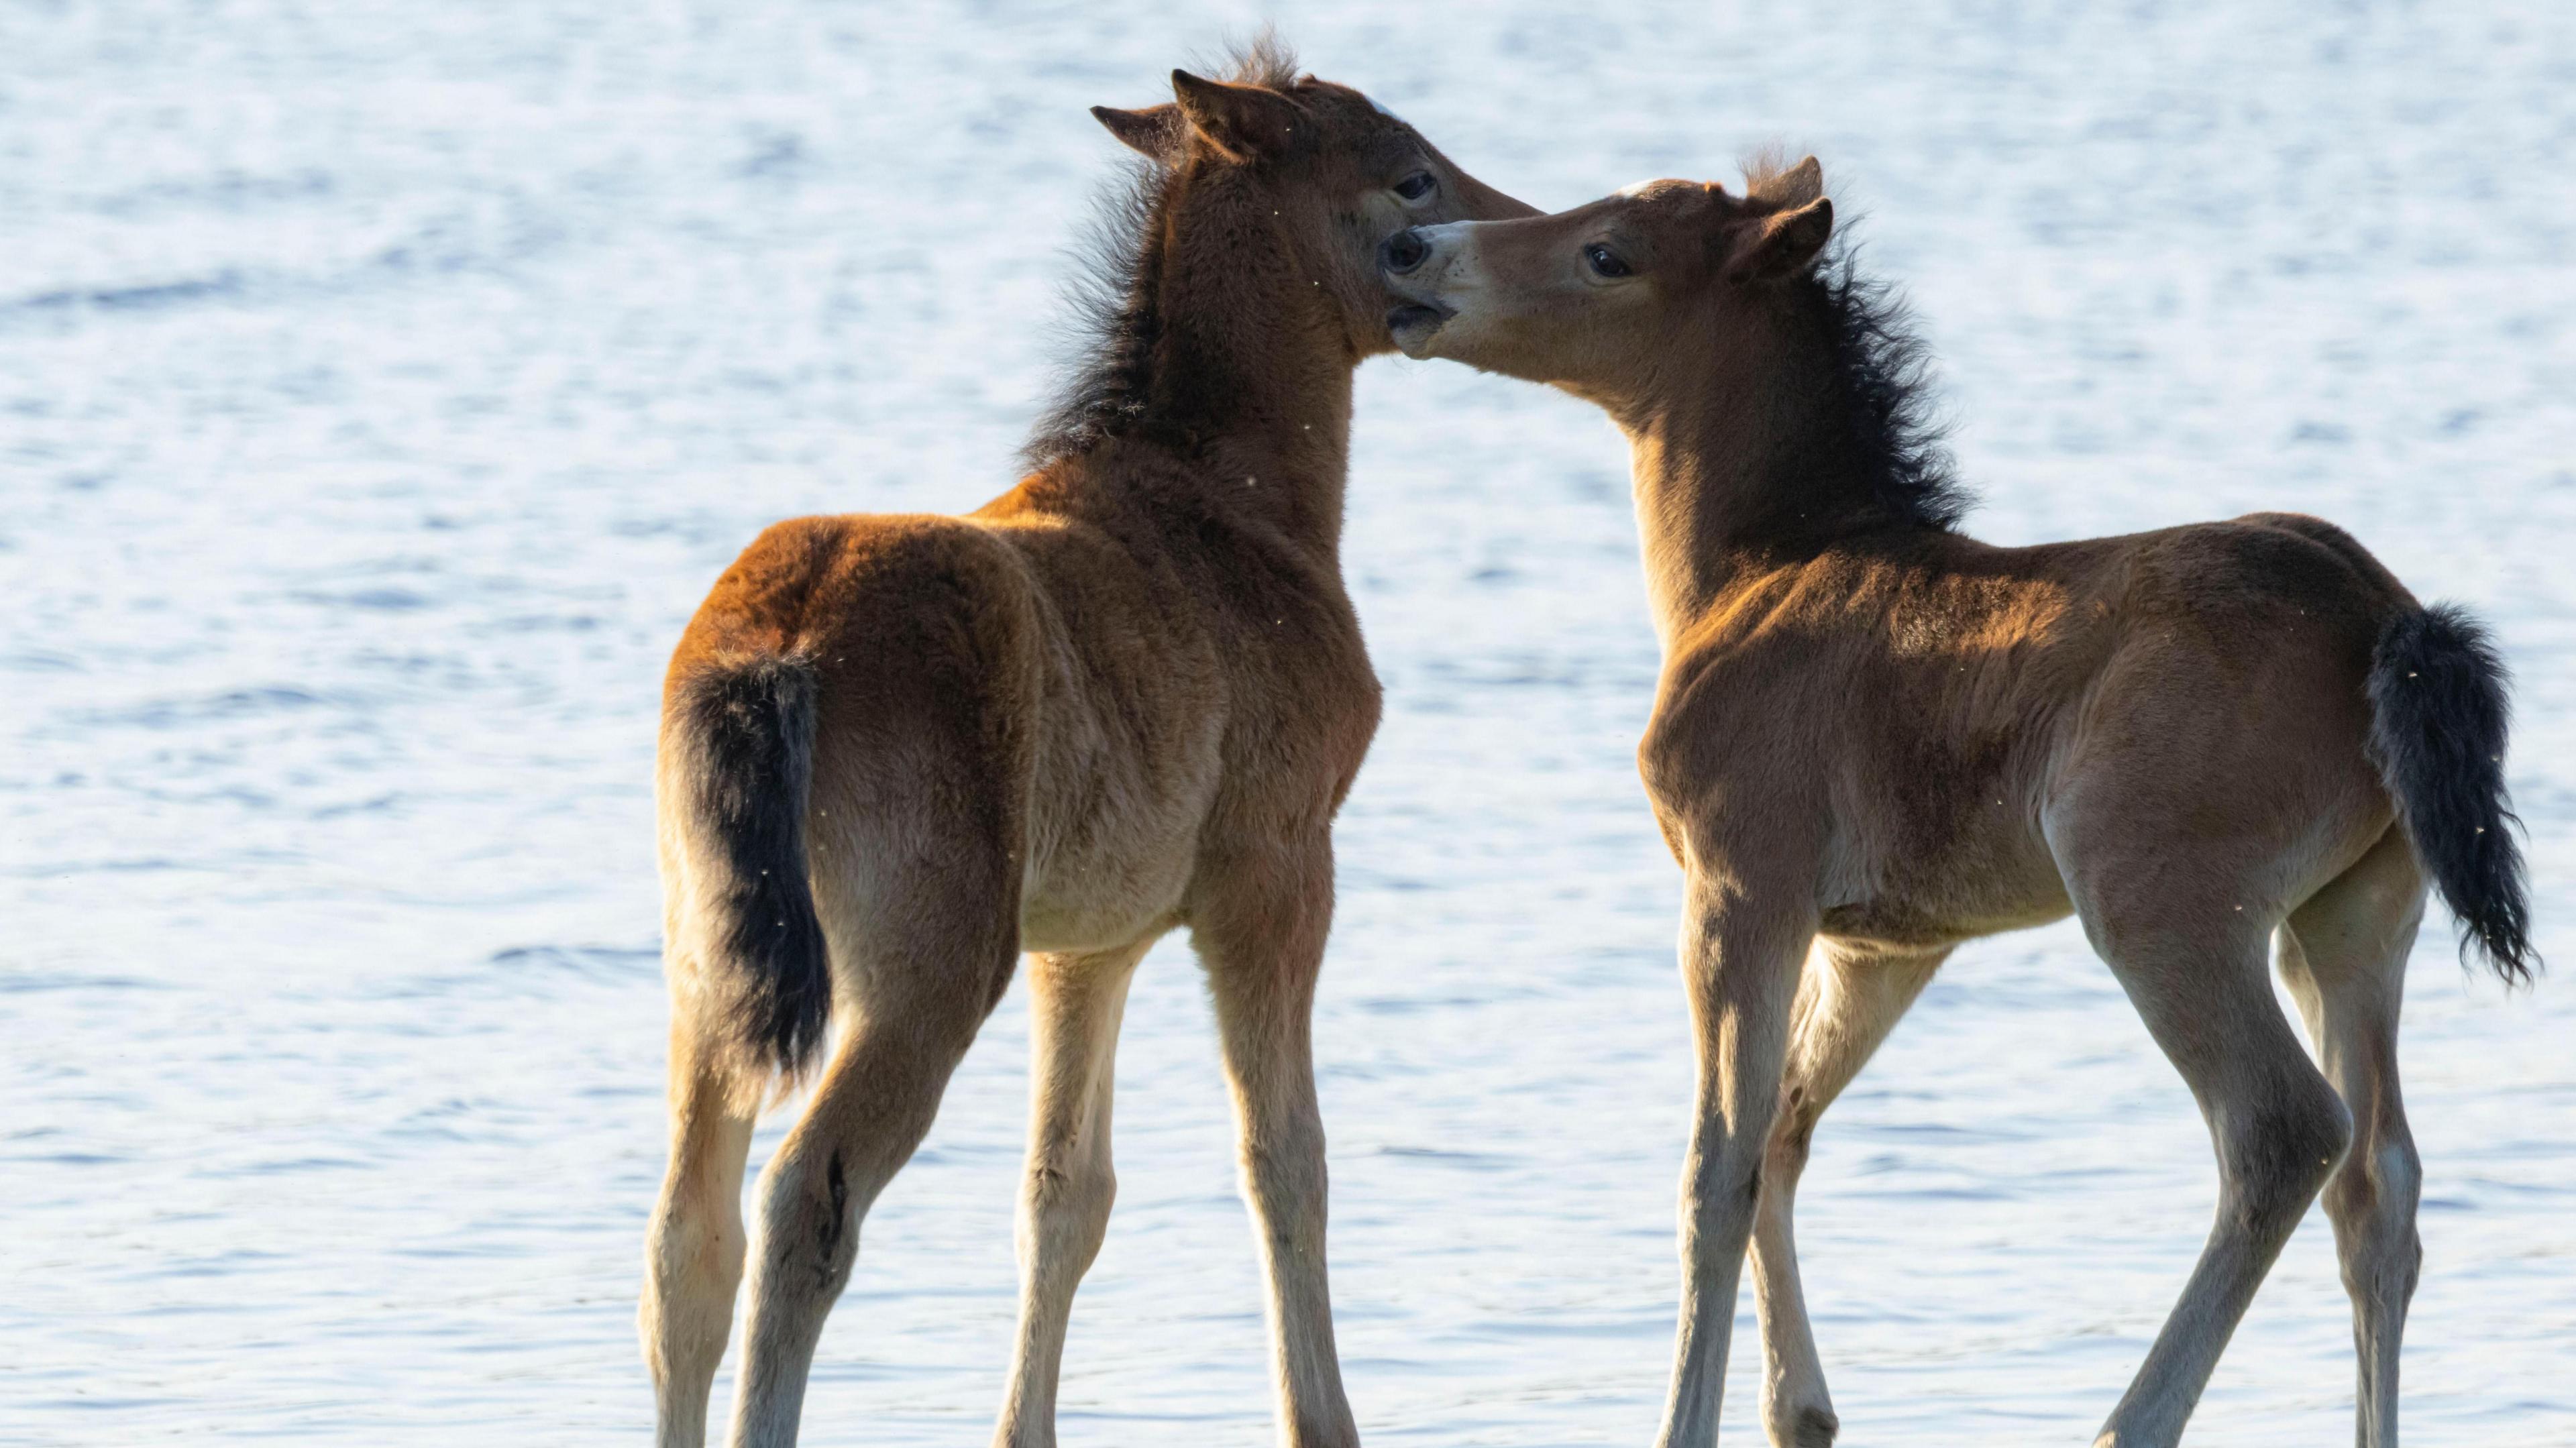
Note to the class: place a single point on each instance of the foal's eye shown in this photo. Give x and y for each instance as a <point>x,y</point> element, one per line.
<point>1417,186</point>
<point>1604,262</point>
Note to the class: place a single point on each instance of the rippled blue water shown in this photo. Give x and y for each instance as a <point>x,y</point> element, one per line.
<point>381,386</point>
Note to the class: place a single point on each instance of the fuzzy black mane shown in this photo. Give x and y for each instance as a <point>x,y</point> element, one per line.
<point>1117,287</point>
<point>1114,322</point>
<point>1882,373</point>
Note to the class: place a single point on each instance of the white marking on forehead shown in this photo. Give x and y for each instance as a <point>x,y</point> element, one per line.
<point>1635,189</point>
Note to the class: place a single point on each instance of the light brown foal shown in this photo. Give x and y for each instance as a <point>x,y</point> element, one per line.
<point>1125,696</point>
<point>1876,738</point>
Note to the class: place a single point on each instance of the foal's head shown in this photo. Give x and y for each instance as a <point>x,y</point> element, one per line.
<point>1620,299</point>
<point>1247,250</point>
<point>1315,165</point>
<point>1675,302</point>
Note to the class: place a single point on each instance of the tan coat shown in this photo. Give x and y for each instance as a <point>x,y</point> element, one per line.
<point>1876,738</point>
<point>1125,696</point>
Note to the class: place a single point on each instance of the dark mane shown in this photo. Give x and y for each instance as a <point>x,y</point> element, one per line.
<point>1113,323</point>
<point>1264,60</point>
<point>1117,283</point>
<point>1882,371</point>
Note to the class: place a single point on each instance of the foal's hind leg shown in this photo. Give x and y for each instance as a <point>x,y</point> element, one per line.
<point>2343,956</point>
<point>2194,969</point>
<point>1075,1002</point>
<point>693,1251</point>
<point>1848,1000</point>
<point>925,947</point>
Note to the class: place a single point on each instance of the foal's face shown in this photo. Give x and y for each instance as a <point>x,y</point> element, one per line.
<point>1612,298</point>
<point>1335,170</point>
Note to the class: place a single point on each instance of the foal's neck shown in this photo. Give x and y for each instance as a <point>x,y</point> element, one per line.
<point>1252,369</point>
<point>1739,467</point>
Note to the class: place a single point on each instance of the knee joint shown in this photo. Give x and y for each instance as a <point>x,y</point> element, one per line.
<point>809,1224</point>
<point>1071,1189</point>
<point>1792,1134</point>
<point>684,1247</point>
<point>1723,1185</point>
<point>2278,1159</point>
<point>1281,1160</point>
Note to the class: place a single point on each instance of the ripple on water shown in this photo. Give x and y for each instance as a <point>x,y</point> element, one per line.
<point>384,385</point>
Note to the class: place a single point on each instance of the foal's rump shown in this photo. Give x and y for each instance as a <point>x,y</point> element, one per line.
<point>845,733</point>
<point>2437,697</point>
<point>2274,681</point>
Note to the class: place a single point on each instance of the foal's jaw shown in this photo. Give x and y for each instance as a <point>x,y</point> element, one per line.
<point>1413,325</point>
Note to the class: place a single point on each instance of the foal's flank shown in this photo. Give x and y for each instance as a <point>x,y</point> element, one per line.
<point>1127,695</point>
<point>1876,738</point>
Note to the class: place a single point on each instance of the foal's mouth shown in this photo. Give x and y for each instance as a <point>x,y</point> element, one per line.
<point>1412,323</point>
<point>1417,314</point>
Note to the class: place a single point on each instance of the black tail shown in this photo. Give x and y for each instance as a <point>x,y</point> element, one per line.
<point>2437,731</point>
<point>761,963</point>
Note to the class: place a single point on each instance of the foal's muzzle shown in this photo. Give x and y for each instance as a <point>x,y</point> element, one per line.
<point>1401,260</point>
<point>1402,252</point>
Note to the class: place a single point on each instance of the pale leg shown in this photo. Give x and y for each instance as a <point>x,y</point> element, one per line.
<point>1740,967</point>
<point>1075,1002</point>
<point>693,1251</point>
<point>1848,1000</point>
<point>2277,1126</point>
<point>1260,929</point>
<point>926,946</point>
<point>2344,958</point>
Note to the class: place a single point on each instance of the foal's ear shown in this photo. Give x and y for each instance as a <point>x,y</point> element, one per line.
<point>1154,131</point>
<point>1796,186</point>
<point>1243,121</point>
<point>1782,244</point>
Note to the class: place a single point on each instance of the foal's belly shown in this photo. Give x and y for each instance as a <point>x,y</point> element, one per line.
<point>1103,905</point>
<point>1114,839</point>
<point>1985,882</point>
<point>1113,870</point>
<point>1928,925</point>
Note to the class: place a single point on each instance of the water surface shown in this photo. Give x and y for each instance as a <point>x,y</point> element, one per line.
<point>381,387</point>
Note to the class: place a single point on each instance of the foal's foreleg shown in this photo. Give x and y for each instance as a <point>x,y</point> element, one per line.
<point>1740,968</point>
<point>1847,1003</point>
<point>1260,928</point>
<point>1075,1002</point>
<point>2343,956</point>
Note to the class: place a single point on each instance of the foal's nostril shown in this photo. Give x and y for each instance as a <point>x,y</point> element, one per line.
<point>1402,252</point>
